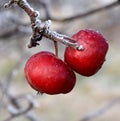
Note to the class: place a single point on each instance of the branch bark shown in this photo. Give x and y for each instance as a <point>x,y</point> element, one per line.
<point>40,31</point>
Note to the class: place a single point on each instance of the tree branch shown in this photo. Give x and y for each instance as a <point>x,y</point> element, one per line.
<point>82,15</point>
<point>101,111</point>
<point>40,31</point>
<point>15,109</point>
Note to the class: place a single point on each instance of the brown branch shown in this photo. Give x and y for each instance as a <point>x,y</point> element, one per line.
<point>82,15</point>
<point>15,113</point>
<point>15,109</point>
<point>101,111</point>
<point>40,31</point>
<point>56,48</point>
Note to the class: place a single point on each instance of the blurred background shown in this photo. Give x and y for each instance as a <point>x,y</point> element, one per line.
<point>95,98</point>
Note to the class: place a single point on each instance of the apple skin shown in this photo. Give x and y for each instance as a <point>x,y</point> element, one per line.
<point>88,61</point>
<point>46,73</point>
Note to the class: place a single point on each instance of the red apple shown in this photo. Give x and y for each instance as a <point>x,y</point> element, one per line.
<point>88,61</point>
<point>46,73</point>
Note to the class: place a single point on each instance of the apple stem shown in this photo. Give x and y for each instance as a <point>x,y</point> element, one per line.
<point>40,31</point>
<point>56,47</point>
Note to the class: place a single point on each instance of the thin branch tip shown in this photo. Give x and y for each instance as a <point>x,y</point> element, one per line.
<point>40,31</point>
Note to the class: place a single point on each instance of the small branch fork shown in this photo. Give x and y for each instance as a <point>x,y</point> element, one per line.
<point>40,31</point>
<point>16,108</point>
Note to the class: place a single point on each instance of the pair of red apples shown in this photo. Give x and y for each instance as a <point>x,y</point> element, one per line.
<point>46,73</point>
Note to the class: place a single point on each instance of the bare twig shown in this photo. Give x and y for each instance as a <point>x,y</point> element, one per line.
<point>40,31</point>
<point>15,109</point>
<point>31,117</point>
<point>101,111</point>
<point>21,27</point>
<point>18,111</point>
<point>82,15</point>
<point>56,48</point>
<point>5,87</point>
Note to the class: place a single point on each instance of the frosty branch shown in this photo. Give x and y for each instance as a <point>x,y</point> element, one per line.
<point>40,31</point>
